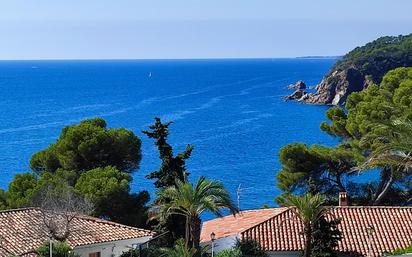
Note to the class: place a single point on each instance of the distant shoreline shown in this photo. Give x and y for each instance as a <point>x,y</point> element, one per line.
<point>172,59</point>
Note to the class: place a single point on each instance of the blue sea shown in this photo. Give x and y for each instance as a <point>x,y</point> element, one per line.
<point>231,111</point>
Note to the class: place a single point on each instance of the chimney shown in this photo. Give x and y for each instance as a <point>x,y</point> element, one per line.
<point>343,199</point>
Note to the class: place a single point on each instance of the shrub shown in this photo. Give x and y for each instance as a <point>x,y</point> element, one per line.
<point>234,252</point>
<point>401,251</point>
<point>149,252</point>
<point>250,248</point>
<point>60,249</point>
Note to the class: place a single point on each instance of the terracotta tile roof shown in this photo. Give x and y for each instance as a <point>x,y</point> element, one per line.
<point>22,231</point>
<point>233,225</point>
<point>392,225</point>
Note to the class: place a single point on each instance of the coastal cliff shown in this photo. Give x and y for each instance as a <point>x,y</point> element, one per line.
<point>358,69</point>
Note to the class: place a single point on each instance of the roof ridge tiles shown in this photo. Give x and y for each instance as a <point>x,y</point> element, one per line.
<point>80,216</point>
<point>108,222</point>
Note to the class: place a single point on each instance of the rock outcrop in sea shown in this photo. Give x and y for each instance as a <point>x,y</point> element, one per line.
<point>297,95</point>
<point>298,85</point>
<point>334,89</point>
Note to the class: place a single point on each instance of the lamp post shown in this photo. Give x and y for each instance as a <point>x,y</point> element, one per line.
<point>213,238</point>
<point>370,230</point>
<point>51,246</point>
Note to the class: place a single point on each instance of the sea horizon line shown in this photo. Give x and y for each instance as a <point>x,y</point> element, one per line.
<point>173,59</point>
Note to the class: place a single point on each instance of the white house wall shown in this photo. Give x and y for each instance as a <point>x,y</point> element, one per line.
<point>110,249</point>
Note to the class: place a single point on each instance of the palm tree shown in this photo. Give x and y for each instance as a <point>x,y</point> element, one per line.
<point>309,209</point>
<point>391,146</point>
<point>191,201</point>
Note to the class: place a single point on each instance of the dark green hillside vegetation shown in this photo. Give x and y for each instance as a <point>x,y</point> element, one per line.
<point>378,57</point>
<point>359,69</point>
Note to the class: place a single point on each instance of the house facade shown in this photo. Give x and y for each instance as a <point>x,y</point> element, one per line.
<point>366,230</point>
<point>22,231</point>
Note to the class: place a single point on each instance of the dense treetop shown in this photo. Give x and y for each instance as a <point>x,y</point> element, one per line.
<point>314,169</point>
<point>109,191</point>
<point>90,145</point>
<point>377,105</point>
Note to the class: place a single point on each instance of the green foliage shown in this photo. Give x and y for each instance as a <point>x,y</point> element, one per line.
<point>309,209</point>
<point>243,248</point>
<point>376,58</point>
<point>109,191</point>
<point>94,160</point>
<point>369,140</point>
<point>249,248</point>
<point>25,187</point>
<point>368,129</point>
<point>147,252</point>
<point>233,252</point>
<point>314,169</point>
<point>380,105</point>
<point>107,188</point>
<point>60,249</point>
<point>172,167</point>
<point>21,190</point>
<point>337,128</point>
<point>131,253</point>
<point>3,200</point>
<point>179,250</point>
<point>401,251</point>
<point>376,105</point>
<point>325,238</point>
<point>101,183</point>
<point>191,201</point>
<point>89,145</point>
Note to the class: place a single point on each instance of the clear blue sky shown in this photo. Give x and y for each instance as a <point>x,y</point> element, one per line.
<point>131,29</point>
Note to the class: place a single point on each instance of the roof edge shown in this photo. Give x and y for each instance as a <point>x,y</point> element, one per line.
<point>19,209</point>
<point>84,217</point>
<point>271,217</point>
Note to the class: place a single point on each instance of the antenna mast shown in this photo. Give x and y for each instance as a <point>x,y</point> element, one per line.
<point>238,191</point>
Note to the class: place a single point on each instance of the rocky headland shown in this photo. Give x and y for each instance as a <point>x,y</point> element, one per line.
<point>357,70</point>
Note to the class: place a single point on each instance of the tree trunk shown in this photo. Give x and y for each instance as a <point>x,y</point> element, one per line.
<point>308,240</point>
<point>187,235</point>
<point>339,183</point>
<point>195,231</point>
<point>385,184</point>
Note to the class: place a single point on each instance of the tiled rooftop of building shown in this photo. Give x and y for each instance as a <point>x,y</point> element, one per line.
<point>283,231</point>
<point>22,231</point>
<point>233,225</point>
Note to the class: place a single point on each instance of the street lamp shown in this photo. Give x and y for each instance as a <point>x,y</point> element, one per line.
<point>213,238</point>
<point>51,246</point>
